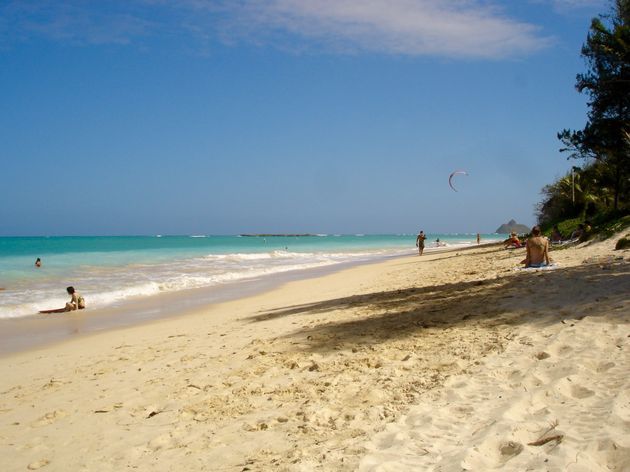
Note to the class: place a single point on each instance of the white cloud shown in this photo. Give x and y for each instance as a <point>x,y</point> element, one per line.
<point>447,28</point>
<point>453,28</point>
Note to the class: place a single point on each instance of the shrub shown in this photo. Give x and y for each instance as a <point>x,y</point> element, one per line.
<point>623,243</point>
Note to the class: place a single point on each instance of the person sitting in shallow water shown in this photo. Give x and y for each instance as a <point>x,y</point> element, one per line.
<point>76,302</point>
<point>537,247</point>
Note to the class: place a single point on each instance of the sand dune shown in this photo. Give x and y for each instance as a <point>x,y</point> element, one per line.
<point>447,362</point>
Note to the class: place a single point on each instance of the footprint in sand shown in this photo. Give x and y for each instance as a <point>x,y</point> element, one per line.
<point>510,449</point>
<point>604,366</point>
<point>163,441</point>
<point>569,388</point>
<point>613,455</point>
<point>38,464</point>
<point>491,453</point>
<point>542,355</point>
<point>50,417</point>
<point>562,350</point>
<point>621,406</point>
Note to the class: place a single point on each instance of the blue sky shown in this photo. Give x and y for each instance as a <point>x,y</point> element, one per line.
<point>222,117</point>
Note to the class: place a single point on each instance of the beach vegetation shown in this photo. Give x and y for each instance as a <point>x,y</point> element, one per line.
<point>582,193</point>
<point>602,226</point>
<point>598,190</point>
<point>567,227</point>
<point>623,243</point>
<point>604,142</point>
<point>612,226</point>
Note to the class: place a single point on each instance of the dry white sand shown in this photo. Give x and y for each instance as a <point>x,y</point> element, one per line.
<point>445,362</point>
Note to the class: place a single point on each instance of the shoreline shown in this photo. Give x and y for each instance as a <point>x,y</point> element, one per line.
<point>333,373</point>
<point>42,330</point>
<point>110,271</point>
<point>39,330</point>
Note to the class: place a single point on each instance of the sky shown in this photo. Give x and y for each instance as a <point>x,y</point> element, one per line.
<point>322,116</point>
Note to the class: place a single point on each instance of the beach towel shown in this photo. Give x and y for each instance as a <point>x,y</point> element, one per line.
<point>563,243</point>
<point>551,266</point>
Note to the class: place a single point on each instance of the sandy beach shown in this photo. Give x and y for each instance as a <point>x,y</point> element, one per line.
<point>449,361</point>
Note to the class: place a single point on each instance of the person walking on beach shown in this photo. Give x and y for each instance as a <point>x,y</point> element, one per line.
<point>478,238</point>
<point>76,302</point>
<point>420,242</point>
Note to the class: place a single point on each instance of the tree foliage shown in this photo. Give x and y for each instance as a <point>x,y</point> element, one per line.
<point>606,137</point>
<point>581,193</point>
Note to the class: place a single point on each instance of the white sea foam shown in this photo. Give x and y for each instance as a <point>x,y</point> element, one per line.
<point>104,286</point>
<point>110,271</point>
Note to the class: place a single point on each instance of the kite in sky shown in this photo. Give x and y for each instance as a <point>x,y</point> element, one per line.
<point>450,177</point>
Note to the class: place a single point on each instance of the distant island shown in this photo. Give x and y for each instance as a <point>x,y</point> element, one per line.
<point>276,235</point>
<point>512,226</point>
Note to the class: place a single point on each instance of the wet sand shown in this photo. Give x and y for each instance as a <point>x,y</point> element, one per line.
<point>38,330</point>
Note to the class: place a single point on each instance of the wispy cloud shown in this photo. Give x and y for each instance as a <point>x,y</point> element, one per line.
<point>453,28</point>
<point>446,28</point>
<point>72,21</point>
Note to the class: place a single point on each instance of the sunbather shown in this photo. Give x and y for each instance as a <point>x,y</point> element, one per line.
<point>512,241</point>
<point>537,247</point>
<point>556,235</point>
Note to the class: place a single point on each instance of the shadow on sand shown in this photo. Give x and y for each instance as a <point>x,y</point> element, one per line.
<point>541,297</point>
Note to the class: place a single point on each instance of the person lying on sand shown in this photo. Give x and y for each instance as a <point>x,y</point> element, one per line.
<point>76,302</point>
<point>537,248</point>
<point>578,233</point>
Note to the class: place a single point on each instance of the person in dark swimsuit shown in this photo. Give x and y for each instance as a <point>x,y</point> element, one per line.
<point>420,242</point>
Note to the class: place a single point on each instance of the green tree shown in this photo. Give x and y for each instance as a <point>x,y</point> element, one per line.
<point>583,192</point>
<point>607,83</point>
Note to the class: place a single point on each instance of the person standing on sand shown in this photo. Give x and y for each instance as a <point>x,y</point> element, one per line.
<point>478,238</point>
<point>76,302</point>
<point>420,242</point>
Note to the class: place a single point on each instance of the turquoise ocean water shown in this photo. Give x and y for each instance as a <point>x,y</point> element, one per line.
<point>109,270</point>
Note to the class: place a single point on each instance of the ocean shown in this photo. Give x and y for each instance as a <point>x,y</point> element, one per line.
<point>112,270</point>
